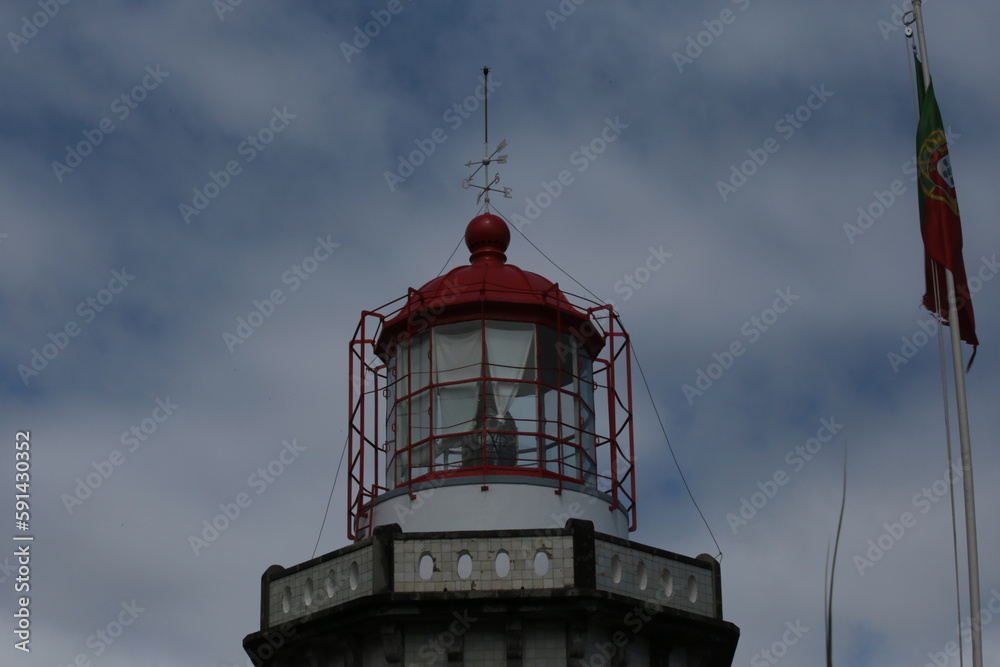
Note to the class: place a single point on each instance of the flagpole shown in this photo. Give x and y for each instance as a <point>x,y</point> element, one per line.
<point>963,413</point>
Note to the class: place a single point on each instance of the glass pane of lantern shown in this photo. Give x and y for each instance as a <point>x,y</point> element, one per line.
<point>455,410</point>
<point>570,432</point>
<point>588,451</point>
<point>550,432</point>
<point>390,406</point>
<point>587,425</point>
<point>524,411</point>
<point>586,379</point>
<point>420,427</point>
<point>550,412</point>
<point>455,407</point>
<point>390,442</point>
<point>457,356</point>
<point>412,364</point>
<point>407,420</point>
<point>550,453</point>
<point>419,360</point>
<point>458,352</point>
<point>568,364</point>
<point>556,357</point>
<point>500,441</point>
<point>402,424</point>
<point>548,359</point>
<point>509,347</point>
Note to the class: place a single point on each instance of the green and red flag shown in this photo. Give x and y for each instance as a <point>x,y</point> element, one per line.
<point>940,224</point>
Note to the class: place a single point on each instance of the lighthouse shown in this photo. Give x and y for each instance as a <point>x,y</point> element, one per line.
<point>491,495</point>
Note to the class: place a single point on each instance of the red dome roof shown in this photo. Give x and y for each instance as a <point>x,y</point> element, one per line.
<point>487,288</point>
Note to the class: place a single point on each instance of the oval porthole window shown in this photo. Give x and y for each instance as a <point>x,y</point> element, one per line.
<point>464,567</point>
<point>667,581</point>
<point>502,564</point>
<point>425,566</point>
<point>616,569</point>
<point>354,576</point>
<point>307,593</point>
<point>541,563</point>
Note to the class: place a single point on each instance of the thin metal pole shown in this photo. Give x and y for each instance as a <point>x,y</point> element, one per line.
<point>963,413</point>
<point>486,132</point>
<point>486,107</point>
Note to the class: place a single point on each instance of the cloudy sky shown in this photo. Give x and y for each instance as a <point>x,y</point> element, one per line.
<point>164,165</point>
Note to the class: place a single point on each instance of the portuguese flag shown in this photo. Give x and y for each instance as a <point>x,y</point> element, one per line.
<point>940,224</point>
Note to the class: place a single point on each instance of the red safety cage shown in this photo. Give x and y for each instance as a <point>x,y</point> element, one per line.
<point>494,391</point>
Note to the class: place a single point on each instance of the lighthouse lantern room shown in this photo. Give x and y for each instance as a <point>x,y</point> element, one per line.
<point>487,399</point>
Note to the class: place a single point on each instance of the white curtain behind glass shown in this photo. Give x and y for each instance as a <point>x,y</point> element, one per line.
<point>509,347</point>
<point>458,355</point>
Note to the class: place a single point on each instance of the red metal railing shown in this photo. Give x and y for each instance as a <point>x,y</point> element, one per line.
<point>613,471</point>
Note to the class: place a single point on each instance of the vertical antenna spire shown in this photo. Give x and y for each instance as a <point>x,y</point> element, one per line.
<point>486,106</point>
<point>488,158</point>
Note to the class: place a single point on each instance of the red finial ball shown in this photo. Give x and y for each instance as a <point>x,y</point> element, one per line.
<point>487,237</point>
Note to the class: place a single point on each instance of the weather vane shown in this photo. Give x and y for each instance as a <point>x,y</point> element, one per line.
<point>488,157</point>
